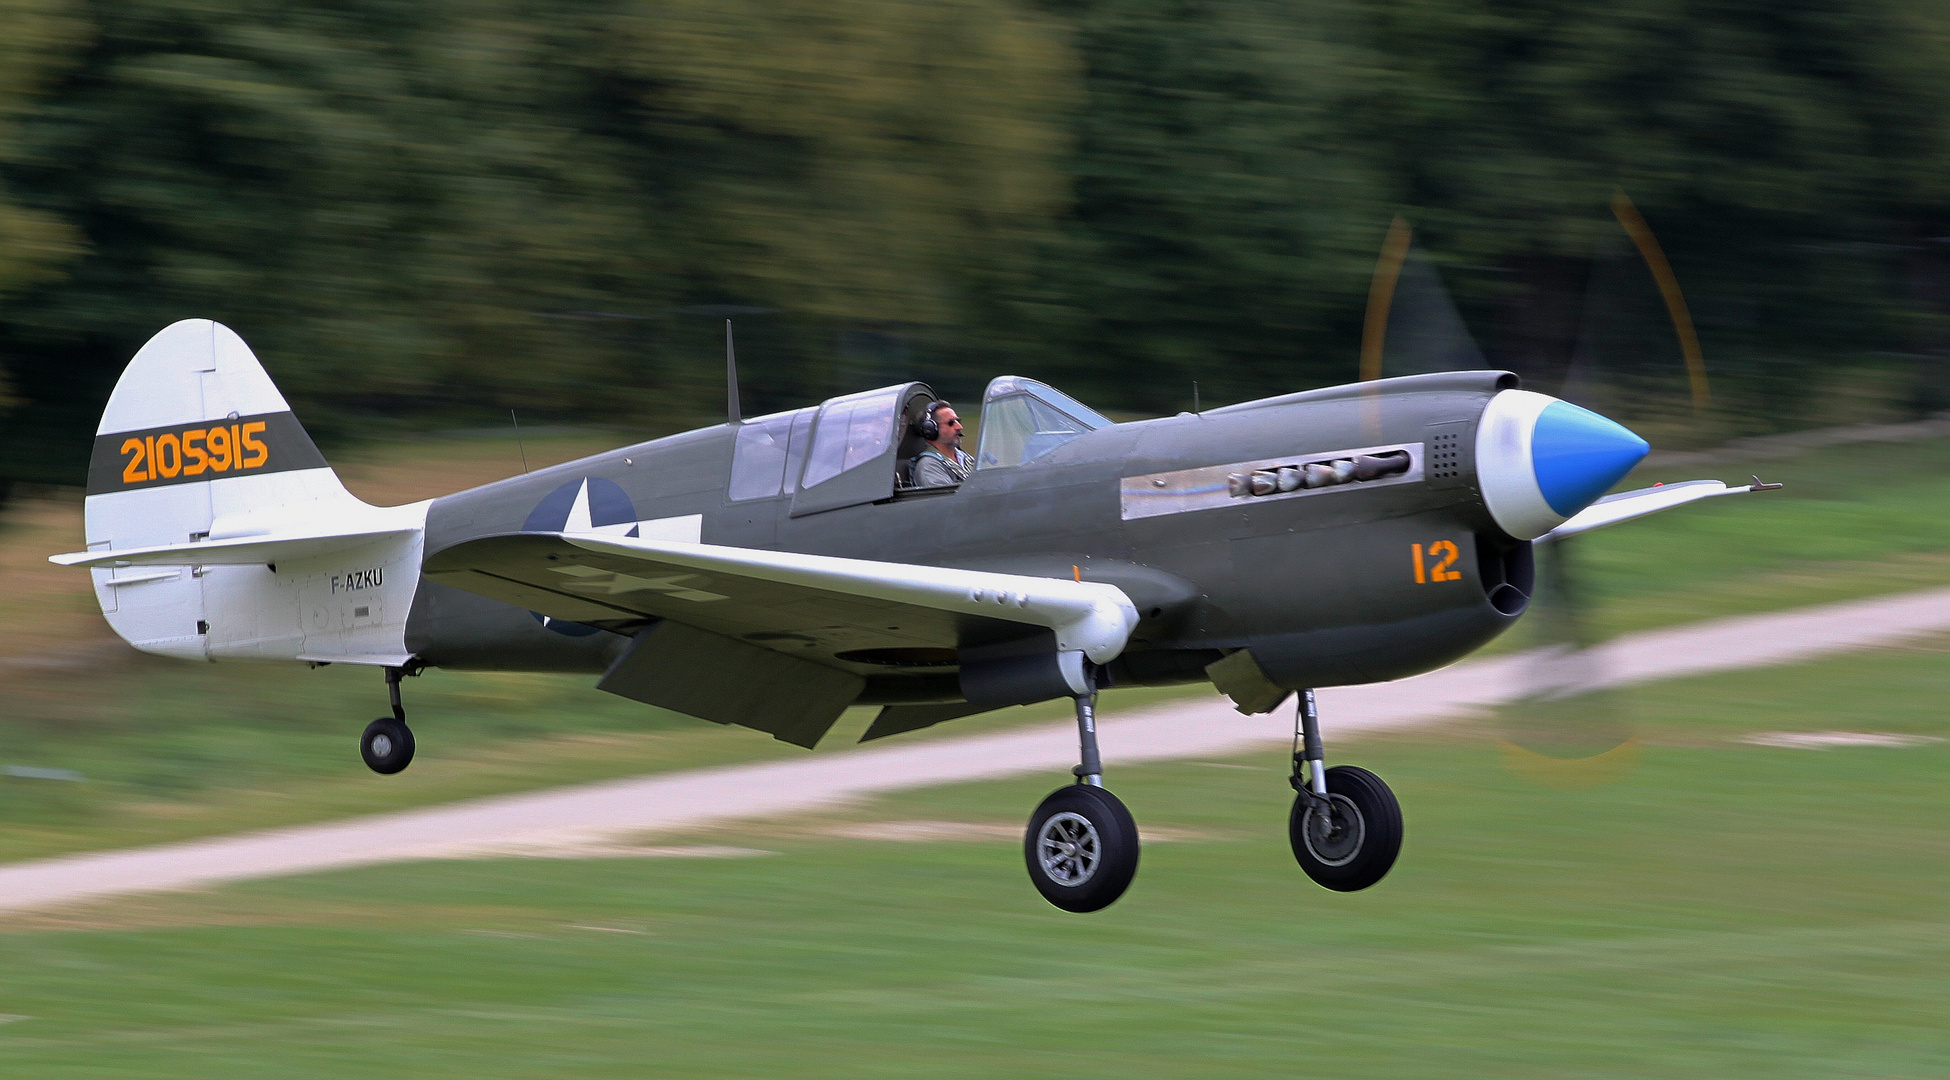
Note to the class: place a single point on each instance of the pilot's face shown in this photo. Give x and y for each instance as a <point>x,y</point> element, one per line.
<point>950,426</point>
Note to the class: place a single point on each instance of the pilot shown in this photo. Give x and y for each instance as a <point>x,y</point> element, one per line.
<point>942,464</point>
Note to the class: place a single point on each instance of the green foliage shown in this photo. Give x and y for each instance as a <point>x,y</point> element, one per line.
<point>40,35</point>
<point>1790,156</point>
<point>1224,225</point>
<point>1513,124</point>
<point>398,204</point>
<point>426,213</point>
<point>1238,162</point>
<point>870,161</point>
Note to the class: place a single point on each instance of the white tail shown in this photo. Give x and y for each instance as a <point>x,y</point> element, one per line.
<point>217,531</point>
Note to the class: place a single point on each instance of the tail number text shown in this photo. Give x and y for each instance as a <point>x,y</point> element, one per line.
<point>215,449</point>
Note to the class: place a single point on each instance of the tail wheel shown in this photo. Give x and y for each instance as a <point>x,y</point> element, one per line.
<point>1081,848</point>
<point>1355,845</point>
<point>387,746</point>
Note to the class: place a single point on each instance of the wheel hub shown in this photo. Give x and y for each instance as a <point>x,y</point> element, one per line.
<point>1069,848</point>
<point>382,745</point>
<point>1337,838</point>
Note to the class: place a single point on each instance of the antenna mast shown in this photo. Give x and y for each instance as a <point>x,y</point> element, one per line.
<point>731,413</point>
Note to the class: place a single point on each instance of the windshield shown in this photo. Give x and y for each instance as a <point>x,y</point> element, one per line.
<point>1023,419</point>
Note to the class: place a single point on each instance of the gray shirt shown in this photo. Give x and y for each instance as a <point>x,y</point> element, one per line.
<point>931,469</point>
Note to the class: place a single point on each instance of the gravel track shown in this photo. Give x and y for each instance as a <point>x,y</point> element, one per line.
<point>591,816</point>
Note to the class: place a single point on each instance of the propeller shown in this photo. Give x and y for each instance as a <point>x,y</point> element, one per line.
<point>1636,356</point>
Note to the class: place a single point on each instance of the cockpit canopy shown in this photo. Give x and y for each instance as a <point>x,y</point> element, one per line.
<point>854,430</point>
<point>856,448</point>
<point>1023,419</point>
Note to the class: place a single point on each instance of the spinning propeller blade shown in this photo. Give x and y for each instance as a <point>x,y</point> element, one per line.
<point>1412,326</point>
<point>1635,354</point>
<point>1568,730</point>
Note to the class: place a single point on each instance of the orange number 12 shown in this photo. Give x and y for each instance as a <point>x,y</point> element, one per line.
<point>1441,556</point>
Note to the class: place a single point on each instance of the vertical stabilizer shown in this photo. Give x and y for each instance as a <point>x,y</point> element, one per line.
<point>197,444</point>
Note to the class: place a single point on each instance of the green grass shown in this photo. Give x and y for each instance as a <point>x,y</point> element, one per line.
<point>1727,910</point>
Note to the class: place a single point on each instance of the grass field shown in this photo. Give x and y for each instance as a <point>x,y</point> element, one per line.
<point>171,750</point>
<point>1727,910</point>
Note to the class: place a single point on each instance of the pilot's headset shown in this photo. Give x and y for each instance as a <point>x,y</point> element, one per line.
<point>927,427</point>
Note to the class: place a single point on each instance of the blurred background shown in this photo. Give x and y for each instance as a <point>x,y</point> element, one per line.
<point>423,214</point>
<point>420,214</point>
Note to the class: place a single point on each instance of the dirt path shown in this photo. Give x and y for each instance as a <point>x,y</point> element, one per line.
<point>593,815</point>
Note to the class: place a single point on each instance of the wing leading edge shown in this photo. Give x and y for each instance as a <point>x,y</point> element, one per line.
<point>778,641</point>
<point>1626,505</point>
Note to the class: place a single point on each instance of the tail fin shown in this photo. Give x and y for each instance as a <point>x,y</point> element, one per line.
<point>192,408</point>
<point>198,446</point>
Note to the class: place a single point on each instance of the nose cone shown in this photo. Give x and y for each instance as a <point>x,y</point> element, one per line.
<point>1540,460</point>
<point>1578,455</point>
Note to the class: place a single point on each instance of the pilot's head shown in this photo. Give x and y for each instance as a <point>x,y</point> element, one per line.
<point>942,427</point>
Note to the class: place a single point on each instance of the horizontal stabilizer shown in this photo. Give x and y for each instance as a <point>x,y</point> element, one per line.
<point>1627,505</point>
<point>234,551</point>
<point>386,659</point>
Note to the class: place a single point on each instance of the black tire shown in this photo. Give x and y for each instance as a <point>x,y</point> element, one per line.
<point>387,746</point>
<point>1366,832</point>
<point>1081,848</point>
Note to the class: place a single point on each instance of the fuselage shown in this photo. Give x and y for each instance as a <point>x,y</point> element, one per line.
<point>1349,583</point>
<point>1342,535</point>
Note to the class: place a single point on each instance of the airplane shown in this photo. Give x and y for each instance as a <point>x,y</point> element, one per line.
<point>774,571</point>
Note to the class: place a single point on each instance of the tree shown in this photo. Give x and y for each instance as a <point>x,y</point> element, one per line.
<point>1224,221</point>
<point>41,35</point>
<point>1782,151</point>
<point>399,203</point>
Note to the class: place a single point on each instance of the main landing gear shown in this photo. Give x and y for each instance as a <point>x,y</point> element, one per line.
<point>1346,826</point>
<point>1082,846</point>
<point>387,744</point>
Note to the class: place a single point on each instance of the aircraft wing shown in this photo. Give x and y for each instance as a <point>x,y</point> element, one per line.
<point>1627,505</point>
<point>775,640</point>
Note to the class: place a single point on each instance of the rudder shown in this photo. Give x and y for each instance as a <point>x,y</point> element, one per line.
<point>197,444</point>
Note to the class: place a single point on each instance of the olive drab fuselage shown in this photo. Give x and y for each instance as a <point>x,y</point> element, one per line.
<point>1353,583</point>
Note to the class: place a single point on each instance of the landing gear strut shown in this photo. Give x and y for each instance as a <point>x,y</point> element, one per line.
<point>1346,827</point>
<point>387,744</point>
<point>1082,846</point>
